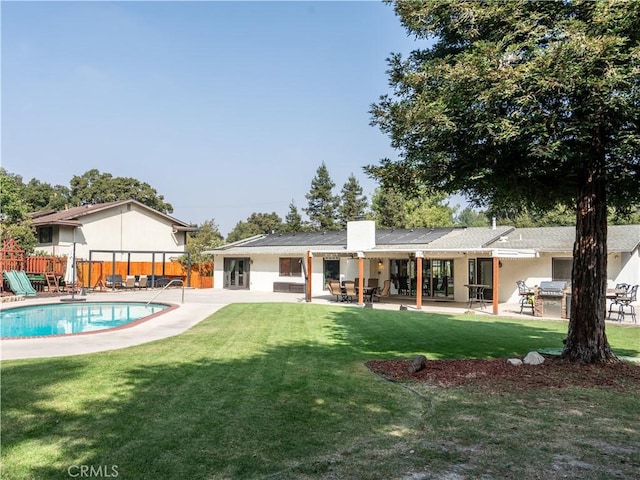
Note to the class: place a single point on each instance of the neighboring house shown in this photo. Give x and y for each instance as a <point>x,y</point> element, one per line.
<point>122,226</point>
<point>450,258</point>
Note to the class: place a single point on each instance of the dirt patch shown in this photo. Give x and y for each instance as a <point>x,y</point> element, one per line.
<point>498,375</point>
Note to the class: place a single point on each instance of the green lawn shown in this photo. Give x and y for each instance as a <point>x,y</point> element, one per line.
<point>281,391</point>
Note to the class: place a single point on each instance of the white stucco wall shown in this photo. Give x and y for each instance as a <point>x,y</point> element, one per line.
<point>125,228</point>
<point>264,271</point>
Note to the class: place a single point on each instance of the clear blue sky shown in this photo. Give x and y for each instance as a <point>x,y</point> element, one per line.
<point>225,108</point>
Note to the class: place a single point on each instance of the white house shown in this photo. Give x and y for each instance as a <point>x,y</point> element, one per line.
<point>448,259</point>
<point>122,230</point>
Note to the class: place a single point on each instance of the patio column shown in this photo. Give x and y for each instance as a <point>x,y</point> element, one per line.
<point>419,256</point>
<point>309,262</point>
<point>360,278</point>
<point>496,278</point>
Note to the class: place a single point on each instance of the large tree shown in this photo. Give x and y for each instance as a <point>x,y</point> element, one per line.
<point>323,204</point>
<point>387,204</point>
<point>256,224</point>
<point>524,104</point>
<point>94,187</point>
<point>353,204</point>
<point>15,222</point>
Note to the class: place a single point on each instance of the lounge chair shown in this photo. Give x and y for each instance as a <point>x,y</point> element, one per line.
<point>130,282</point>
<point>114,281</point>
<point>142,283</point>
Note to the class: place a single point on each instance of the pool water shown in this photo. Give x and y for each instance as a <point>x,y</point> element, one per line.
<point>71,318</point>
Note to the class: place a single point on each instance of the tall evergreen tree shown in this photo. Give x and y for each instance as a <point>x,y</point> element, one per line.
<point>353,204</point>
<point>322,206</point>
<point>293,220</point>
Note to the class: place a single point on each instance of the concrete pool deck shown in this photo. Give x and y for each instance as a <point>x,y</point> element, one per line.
<point>198,305</point>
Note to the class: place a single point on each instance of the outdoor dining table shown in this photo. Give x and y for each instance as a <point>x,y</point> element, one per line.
<point>368,292</point>
<point>476,294</point>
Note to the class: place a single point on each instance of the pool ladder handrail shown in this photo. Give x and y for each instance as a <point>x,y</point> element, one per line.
<point>176,280</point>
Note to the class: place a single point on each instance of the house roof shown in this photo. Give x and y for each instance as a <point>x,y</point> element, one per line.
<point>622,238</point>
<point>73,216</point>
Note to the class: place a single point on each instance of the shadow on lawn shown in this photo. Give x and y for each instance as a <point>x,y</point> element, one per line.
<point>438,335</point>
<point>175,409</point>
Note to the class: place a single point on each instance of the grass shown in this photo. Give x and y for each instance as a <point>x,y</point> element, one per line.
<point>281,391</point>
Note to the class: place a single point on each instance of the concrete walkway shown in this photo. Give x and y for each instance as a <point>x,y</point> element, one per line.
<point>198,305</point>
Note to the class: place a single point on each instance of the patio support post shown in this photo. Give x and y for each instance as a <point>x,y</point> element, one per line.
<point>309,263</point>
<point>360,278</point>
<point>419,256</point>
<point>496,281</point>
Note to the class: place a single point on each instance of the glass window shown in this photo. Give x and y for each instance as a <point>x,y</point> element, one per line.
<point>290,267</point>
<point>331,269</point>
<point>561,269</point>
<point>45,235</point>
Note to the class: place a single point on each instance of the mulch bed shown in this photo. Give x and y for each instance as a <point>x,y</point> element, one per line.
<point>498,375</point>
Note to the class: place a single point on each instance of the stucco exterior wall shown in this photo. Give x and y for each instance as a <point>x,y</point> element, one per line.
<point>124,228</point>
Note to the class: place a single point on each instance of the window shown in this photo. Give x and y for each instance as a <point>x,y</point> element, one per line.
<point>561,269</point>
<point>45,235</point>
<point>290,267</point>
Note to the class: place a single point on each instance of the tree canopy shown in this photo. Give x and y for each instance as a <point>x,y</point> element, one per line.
<point>94,187</point>
<point>524,104</point>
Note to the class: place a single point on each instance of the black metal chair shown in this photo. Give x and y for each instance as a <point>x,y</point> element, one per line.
<point>626,301</point>
<point>620,291</point>
<point>526,296</point>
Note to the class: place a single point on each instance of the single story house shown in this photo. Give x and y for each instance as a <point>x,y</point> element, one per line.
<point>124,230</point>
<point>442,260</point>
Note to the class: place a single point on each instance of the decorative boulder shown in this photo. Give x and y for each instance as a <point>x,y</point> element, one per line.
<point>417,364</point>
<point>514,361</point>
<point>533,358</point>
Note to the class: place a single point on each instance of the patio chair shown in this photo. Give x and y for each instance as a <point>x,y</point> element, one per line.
<point>372,282</point>
<point>384,292</point>
<point>114,281</point>
<point>626,301</point>
<point>620,291</point>
<point>130,282</point>
<point>349,291</point>
<point>142,283</point>
<point>334,288</point>
<point>526,296</point>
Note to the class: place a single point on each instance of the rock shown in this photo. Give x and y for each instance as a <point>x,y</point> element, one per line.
<point>514,361</point>
<point>533,358</point>
<point>417,364</point>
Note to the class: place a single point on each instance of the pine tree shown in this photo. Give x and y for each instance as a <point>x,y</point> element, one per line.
<point>322,205</point>
<point>353,204</point>
<point>293,220</point>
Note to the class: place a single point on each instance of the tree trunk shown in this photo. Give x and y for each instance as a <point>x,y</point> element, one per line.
<point>586,341</point>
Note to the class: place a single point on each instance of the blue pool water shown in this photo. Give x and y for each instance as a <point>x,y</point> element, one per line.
<point>70,318</point>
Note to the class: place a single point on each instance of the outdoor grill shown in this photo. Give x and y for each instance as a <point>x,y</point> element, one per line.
<point>549,299</point>
<point>551,289</point>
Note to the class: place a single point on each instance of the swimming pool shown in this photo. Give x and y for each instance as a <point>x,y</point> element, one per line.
<point>54,319</point>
